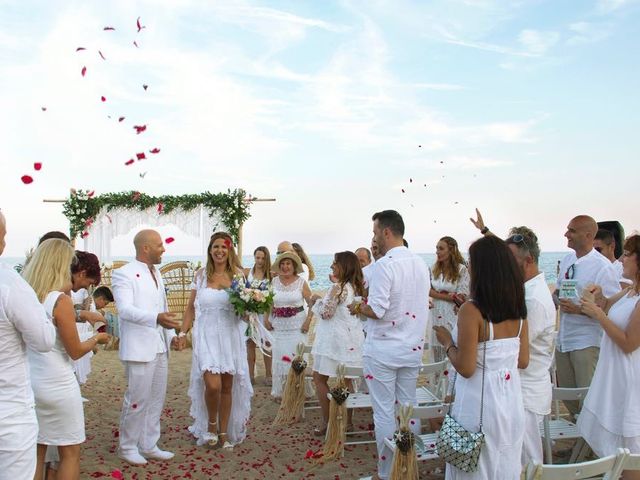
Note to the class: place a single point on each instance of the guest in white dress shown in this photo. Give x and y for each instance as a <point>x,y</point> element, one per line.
<point>23,324</point>
<point>449,289</point>
<point>339,334</point>
<point>220,387</point>
<point>56,390</point>
<point>85,274</point>
<point>261,270</point>
<point>492,319</point>
<point>610,416</point>
<point>288,320</point>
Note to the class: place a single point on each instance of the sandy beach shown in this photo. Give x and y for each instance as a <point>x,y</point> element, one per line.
<point>268,452</point>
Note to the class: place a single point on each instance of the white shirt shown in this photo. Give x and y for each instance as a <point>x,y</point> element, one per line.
<point>367,272</point>
<point>398,295</point>
<point>541,318</point>
<point>23,323</point>
<point>305,273</point>
<point>579,331</point>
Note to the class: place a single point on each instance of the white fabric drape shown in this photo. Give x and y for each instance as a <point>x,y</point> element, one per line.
<point>109,224</point>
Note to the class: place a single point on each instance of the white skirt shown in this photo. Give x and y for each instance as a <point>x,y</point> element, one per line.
<point>602,441</point>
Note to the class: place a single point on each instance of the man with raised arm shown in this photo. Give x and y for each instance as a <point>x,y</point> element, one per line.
<point>23,324</point>
<point>397,312</point>
<point>147,332</point>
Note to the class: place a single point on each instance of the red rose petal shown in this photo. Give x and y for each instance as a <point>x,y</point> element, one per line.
<point>135,405</point>
<point>84,234</point>
<point>80,48</point>
<point>101,55</point>
<point>139,128</point>
<point>402,190</point>
<point>91,193</point>
<point>44,109</point>
<point>154,150</point>
<point>140,26</point>
<point>286,358</point>
<point>135,196</point>
<point>145,86</point>
<point>103,98</point>
<point>129,162</point>
<point>120,119</point>
<point>169,240</point>
<point>160,208</point>
<point>37,166</point>
<point>108,28</point>
<point>136,44</point>
<point>117,474</point>
<point>83,71</point>
<point>26,179</point>
<point>141,156</point>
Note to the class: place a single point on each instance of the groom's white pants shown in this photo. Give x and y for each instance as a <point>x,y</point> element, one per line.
<point>143,403</point>
<point>389,387</point>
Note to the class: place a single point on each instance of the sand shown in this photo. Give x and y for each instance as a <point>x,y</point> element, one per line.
<point>268,452</point>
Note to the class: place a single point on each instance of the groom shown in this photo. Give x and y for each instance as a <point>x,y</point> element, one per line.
<point>146,335</point>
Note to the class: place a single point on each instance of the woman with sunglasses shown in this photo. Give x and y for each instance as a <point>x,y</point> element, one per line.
<point>449,289</point>
<point>610,416</point>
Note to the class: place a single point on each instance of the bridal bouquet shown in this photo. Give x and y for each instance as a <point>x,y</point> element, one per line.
<point>250,299</point>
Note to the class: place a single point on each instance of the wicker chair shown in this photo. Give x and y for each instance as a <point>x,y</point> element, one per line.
<point>106,281</point>
<point>177,278</point>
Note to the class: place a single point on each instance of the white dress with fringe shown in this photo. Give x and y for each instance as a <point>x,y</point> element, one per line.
<point>219,346</point>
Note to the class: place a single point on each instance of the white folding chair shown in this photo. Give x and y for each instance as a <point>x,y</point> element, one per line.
<point>554,427</point>
<point>631,461</point>
<point>428,439</point>
<point>607,468</point>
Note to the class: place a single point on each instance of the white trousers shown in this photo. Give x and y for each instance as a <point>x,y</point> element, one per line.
<point>532,444</point>
<point>18,437</point>
<point>389,387</point>
<point>143,403</point>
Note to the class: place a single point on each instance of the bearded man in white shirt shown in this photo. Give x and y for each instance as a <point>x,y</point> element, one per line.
<point>23,324</point>
<point>397,312</point>
<point>146,336</point>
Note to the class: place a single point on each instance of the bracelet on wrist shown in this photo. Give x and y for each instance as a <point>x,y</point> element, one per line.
<point>449,348</point>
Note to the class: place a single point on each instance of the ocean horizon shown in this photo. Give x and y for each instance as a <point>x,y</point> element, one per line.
<point>548,264</point>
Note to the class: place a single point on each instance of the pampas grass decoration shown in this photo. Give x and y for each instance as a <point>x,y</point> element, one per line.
<point>405,463</point>
<point>337,426</point>
<point>292,404</point>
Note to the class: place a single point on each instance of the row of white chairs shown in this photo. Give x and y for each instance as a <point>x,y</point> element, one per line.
<point>607,468</point>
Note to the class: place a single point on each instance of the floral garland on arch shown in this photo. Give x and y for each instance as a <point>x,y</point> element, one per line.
<point>82,207</point>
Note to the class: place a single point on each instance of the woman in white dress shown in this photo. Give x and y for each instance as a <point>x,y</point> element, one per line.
<point>449,288</point>
<point>610,416</point>
<point>288,320</point>
<point>56,390</point>
<point>490,342</point>
<point>219,388</point>
<point>339,336</point>
<point>261,270</point>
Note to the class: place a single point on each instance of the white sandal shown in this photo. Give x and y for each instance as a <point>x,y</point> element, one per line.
<point>228,446</point>
<point>211,438</point>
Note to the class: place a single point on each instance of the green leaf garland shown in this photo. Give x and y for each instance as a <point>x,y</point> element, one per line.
<point>81,208</point>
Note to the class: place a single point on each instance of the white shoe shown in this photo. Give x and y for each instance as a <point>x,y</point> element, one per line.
<point>132,458</point>
<point>210,439</point>
<point>157,454</point>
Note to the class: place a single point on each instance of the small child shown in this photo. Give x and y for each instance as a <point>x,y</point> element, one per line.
<point>102,297</point>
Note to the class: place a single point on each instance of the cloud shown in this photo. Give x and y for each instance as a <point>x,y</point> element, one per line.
<point>489,47</point>
<point>608,6</point>
<point>537,41</point>
<point>588,32</point>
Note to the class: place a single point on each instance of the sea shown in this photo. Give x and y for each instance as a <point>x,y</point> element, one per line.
<point>322,264</point>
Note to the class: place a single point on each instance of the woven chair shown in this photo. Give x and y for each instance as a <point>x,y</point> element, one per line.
<point>106,281</point>
<point>177,278</point>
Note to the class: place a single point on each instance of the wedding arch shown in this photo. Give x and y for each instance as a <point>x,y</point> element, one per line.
<point>97,219</point>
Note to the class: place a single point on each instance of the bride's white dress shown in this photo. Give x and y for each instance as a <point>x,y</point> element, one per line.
<point>219,346</point>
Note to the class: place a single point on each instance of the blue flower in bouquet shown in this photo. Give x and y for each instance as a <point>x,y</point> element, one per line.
<point>250,297</point>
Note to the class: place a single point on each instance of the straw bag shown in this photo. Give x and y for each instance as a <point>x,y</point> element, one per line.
<point>456,445</point>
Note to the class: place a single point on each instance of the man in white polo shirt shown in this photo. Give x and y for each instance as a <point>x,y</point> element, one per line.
<point>578,344</point>
<point>397,312</point>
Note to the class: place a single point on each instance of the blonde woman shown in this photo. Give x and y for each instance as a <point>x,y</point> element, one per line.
<point>56,391</point>
<point>449,288</point>
<point>220,387</point>
<point>261,270</point>
<point>307,266</point>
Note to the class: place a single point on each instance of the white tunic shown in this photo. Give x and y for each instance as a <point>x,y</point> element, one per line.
<point>339,335</point>
<point>56,390</point>
<point>610,416</point>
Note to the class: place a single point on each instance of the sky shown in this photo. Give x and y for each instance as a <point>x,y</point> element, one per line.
<point>527,110</point>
